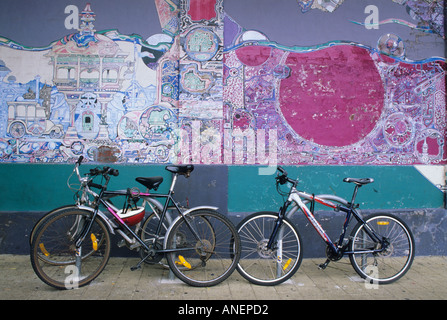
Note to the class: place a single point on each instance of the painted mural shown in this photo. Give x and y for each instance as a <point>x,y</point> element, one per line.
<point>209,91</point>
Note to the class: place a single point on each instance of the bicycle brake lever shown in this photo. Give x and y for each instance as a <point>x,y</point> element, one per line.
<point>94,171</point>
<point>281,179</point>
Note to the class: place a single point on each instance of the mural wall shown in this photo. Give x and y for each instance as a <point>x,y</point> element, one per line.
<point>208,90</point>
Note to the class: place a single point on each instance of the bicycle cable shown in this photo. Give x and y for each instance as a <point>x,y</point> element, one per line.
<point>281,193</point>
<point>75,187</point>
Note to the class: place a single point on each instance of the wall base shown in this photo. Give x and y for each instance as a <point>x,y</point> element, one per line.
<point>429,228</point>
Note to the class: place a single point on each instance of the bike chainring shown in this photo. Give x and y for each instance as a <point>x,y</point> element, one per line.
<point>332,255</point>
<point>154,256</point>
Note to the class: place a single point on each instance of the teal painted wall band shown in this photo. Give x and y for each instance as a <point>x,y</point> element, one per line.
<point>394,187</point>
<point>42,187</point>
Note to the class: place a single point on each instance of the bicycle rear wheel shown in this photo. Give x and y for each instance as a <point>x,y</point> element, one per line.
<point>53,249</point>
<point>207,248</point>
<point>264,266</point>
<point>396,258</point>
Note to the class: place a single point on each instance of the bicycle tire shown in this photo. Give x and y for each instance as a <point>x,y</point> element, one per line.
<point>260,265</point>
<point>390,265</point>
<point>53,257</point>
<point>212,258</point>
<point>43,221</point>
<point>46,216</point>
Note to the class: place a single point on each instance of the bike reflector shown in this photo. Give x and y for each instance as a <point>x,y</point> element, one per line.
<point>383,223</point>
<point>94,242</point>
<point>287,264</point>
<point>44,251</point>
<point>183,262</point>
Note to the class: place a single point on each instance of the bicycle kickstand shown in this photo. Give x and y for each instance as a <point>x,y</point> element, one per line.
<point>323,266</point>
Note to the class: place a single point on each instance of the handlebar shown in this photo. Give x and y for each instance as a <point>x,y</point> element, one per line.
<point>98,171</point>
<point>82,190</point>
<point>79,160</point>
<point>281,169</point>
<point>105,172</point>
<point>283,179</point>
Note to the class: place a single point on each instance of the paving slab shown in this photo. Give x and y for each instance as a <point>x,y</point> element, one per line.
<point>426,280</point>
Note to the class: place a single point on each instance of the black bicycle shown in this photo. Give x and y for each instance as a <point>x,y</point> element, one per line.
<point>380,247</point>
<point>70,246</point>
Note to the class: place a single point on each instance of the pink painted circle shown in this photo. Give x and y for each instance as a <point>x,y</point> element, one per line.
<point>333,96</point>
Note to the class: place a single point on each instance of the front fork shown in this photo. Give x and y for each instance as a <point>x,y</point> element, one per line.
<point>278,223</point>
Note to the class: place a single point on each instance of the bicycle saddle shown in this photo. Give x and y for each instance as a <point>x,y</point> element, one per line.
<point>150,183</point>
<point>183,169</point>
<point>359,182</point>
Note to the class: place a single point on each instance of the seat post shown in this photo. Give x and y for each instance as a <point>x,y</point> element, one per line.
<point>174,180</point>
<point>354,194</point>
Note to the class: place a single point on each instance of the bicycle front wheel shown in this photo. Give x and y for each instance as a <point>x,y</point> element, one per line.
<point>261,265</point>
<point>205,248</point>
<point>46,216</point>
<point>393,261</point>
<point>53,249</point>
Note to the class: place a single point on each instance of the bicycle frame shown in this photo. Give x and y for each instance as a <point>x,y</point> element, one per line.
<point>149,197</point>
<point>296,197</point>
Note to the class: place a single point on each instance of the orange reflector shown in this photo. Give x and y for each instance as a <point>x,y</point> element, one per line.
<point>44,251</point>
<point>287,264</point>
<point>383,223</point>
<point>94,242</point>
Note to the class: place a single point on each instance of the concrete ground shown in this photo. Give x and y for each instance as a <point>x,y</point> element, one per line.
<point>426,280</point>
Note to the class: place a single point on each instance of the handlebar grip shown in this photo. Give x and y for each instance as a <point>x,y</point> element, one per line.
<point>281,169</point>
<point>80,160</point>
<point>114,172</point>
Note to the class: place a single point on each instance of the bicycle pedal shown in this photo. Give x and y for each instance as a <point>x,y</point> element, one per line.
<point>121,243</point>
<point>135,268</point>
<point>323,266</point>
<point>183,262</point>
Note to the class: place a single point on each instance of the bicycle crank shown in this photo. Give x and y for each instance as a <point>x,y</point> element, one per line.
<point>331,255</point>
<point>152,256</point>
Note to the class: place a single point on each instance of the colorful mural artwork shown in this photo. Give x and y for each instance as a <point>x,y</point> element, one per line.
<point>209,91</point>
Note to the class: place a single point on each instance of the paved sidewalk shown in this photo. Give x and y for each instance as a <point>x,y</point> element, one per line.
<point>426,280</point>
